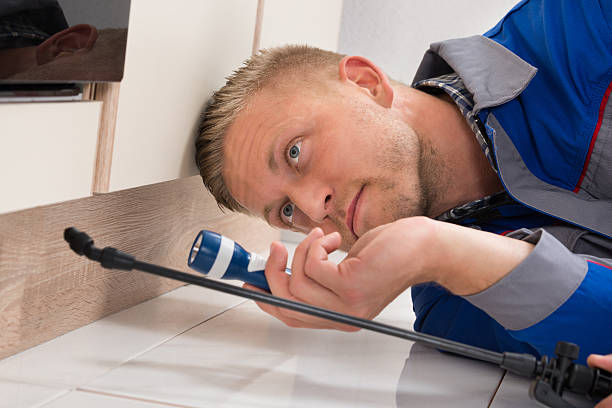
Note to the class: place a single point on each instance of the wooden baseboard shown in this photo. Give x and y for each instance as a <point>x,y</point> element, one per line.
<point>47,290</point>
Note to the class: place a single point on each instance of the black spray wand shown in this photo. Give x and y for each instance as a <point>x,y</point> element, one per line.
<point>551,376</point>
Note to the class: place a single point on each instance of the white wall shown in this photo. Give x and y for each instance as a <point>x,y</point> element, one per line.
<point>395,34</point>
<point>312,22</point>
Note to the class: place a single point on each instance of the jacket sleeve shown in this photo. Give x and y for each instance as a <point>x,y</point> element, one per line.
<point>561,292</point>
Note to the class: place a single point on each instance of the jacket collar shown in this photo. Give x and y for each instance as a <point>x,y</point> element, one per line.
<point>491,72</point>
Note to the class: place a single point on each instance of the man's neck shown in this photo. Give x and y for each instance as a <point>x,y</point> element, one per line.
<point>465,174</point>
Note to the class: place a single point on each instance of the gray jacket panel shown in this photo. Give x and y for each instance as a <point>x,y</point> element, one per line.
<point>546,278</point>
<point>500,80</point>
<point>585,209</point>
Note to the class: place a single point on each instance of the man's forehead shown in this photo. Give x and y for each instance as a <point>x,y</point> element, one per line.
<point>251,166</point>
<point>247,162</point>
<point>257,127</point>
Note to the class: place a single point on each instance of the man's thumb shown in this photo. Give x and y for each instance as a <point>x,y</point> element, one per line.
<point>277,261</point>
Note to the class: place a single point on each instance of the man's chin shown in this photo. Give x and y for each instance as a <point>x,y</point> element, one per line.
<point>346,246</point>
<point>348,240</point>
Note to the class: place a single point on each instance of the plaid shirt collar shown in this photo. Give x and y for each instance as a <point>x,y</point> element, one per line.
<point>454,87</point>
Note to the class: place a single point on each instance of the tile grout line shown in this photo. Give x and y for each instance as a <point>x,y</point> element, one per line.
<point>72,387</point>
<point>151,401</point>
<point>69,389</point>
<point>50,400</point>
<point>161,342</point>
<point>497,389</point>
<point>186,330</point>
<point>16,355</point>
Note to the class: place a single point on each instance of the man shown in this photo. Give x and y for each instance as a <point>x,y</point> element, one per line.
<point>486,187</point>
<point>605,363</point>
<point>36,44</point>
<point>68,42</point>
<point>79,53</point>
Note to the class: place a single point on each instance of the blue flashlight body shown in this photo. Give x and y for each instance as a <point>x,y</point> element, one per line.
<point>217,256</point>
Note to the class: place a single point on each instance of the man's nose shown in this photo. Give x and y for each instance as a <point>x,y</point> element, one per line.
<point>314,199</point>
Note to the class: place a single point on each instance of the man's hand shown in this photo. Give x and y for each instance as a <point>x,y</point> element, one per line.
<point>603,362</point>
<point>383,263</point>
<point>296,286</point>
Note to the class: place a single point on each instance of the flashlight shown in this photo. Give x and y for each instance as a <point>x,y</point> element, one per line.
<point>217,256</point>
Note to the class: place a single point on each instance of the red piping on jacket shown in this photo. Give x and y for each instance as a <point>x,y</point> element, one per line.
<point>602,107</point>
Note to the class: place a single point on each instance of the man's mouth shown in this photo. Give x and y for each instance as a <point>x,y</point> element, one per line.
<point>350,213</point>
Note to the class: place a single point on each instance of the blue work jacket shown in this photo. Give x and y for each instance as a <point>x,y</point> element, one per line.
<point>541,81</point>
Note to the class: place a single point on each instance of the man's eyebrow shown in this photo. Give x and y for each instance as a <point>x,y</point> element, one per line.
<point>272,165</point>
<point>267,214</point>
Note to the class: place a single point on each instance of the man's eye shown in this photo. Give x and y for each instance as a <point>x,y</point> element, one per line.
<point>293,153</point>
<point>287,213</point>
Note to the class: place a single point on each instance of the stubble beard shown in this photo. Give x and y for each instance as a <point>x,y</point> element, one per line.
<point>405,152</point>
<point>419,197</point>
<point>431,178</point>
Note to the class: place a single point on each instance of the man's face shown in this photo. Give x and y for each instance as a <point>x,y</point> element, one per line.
<point>330,157</point>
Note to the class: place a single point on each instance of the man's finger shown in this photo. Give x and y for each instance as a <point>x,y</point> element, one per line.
<point>296,319</point>
<point>279,282</point>
<point>331,242</point>
<point>299,256</point>
<point>596,360</point>
<point>304,287</point>
<point>291,318</point>
<point>321,270</point>
<point>277,279</point>
<point>272,310</point>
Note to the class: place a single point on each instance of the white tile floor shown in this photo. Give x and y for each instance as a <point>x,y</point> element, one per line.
<point>95,400</point>
<point>514,389</point>
<point>19,394</point>
<point>93,350</point>
<point>194,347</point>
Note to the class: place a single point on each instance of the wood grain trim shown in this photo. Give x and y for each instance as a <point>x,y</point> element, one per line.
<point>258,25</point>
<point>108,93</point>
<point>47,290</point>
<point>89,91</point>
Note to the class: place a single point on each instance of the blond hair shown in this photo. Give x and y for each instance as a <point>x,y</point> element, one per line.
<point>265,68</point>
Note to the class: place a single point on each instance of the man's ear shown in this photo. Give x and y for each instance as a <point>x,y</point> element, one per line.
<point>363,73</point>
<point>75,39</point>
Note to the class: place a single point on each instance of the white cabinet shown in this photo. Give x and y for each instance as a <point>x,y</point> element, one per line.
<point>47,152</point>
<point>178,53</point>
<point>313,22</point>
<point>177,56</point>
